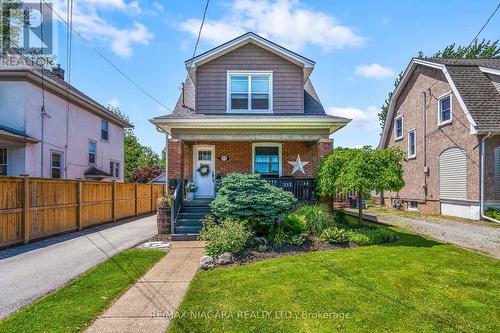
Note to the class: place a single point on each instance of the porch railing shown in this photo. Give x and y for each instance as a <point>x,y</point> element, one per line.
<point>177,198</point>
<point>304,189</point>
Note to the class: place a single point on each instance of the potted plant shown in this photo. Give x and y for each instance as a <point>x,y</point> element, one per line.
<point>163,204</point>
<point>190,188</point>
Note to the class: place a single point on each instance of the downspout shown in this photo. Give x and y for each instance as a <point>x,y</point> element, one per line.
<point>483,140</point>
<point>424,136</point>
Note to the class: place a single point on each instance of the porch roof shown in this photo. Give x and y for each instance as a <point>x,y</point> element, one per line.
<point>9,134</point>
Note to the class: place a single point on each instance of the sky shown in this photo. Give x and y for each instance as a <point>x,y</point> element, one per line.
<point>359,48</point>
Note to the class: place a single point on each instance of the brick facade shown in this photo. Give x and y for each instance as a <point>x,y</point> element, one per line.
<point>432,140</point>
<point>180,160</point>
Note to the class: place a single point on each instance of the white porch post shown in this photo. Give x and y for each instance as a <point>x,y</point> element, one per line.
<point>167,190</point>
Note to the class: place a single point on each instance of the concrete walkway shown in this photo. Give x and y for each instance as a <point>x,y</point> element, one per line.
<point>151,303</point>
<point>30,271</point>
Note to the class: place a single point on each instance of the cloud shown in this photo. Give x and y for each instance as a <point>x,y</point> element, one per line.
<point>375,71</point>
<point>366,119</point>
<point>158,6</point>
<point>286,22</point>
<point>114,102</point>
<point>88,22</point>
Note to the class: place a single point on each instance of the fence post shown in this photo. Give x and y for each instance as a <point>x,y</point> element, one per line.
<point>152,201</point>
<point>79,204</point>
<point>113,201</point>
<point>26,209</point>
<point>136,199</point>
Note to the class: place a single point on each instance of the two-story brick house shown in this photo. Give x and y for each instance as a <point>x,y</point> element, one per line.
<point>445,114</point>
<point>50,129</point>
<point>248,106</point>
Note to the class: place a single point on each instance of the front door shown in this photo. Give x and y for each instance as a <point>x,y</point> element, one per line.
<point>204,171</point>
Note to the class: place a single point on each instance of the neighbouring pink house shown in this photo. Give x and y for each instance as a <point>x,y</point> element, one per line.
<point>50,129</point>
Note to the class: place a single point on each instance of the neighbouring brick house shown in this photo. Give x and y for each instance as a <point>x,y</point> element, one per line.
<point>445,114</point>
<point>248,106</point>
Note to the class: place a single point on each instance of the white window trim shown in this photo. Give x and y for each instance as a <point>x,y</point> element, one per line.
<point>95,153</point>
<point>8,159</point>
<point>61,154</point>
<point>248,73</point>
<point>441,123</point>
<point>411,209</point>
<point>397,138</point>
<point>119,169</point>
<point>268,144</point>
<point>408,144</point>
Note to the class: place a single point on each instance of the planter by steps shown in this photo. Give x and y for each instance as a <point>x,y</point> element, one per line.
<point>163,220</point>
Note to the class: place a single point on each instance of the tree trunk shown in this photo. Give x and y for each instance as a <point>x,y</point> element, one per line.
<point>360,208</point>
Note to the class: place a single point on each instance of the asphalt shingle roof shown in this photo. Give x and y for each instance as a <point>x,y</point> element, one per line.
<point>476,89</point>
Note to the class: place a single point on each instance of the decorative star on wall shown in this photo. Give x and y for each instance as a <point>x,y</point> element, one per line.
<point>298,165</point>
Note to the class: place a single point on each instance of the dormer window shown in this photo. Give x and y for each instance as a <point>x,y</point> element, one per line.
<point>249,91</point>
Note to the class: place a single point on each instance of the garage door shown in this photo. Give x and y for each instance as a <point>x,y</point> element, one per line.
<point>453,174</point>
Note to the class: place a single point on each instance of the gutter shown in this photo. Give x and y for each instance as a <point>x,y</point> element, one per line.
<point>483,140</point>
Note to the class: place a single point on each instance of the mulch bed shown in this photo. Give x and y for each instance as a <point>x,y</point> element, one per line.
<point>278,251</point>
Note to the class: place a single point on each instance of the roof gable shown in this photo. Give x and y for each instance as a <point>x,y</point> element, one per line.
<point>250,37</point>
<point>475,92</point>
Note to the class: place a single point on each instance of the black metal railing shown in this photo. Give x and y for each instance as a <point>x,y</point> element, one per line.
<point>177,198</point>
<point>304,189</point>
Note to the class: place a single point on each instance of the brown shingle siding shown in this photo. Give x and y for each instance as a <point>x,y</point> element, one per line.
<point>288,80</point>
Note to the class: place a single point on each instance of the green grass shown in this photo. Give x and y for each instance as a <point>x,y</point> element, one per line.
<point>77,304</point>
<point>413,284</point>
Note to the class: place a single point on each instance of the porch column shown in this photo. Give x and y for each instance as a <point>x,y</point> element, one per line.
<point>167,190</point>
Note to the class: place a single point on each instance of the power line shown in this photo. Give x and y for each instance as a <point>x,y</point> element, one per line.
<point>90,45</point>
<point>198,37</point>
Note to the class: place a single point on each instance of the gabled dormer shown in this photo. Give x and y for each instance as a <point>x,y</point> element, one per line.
<point>249,75</point>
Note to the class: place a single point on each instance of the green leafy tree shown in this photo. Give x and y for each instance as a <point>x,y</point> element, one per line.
<point>136,156</point>
<point>11,22</point>
<point>479,49</point>
<point>361,170</point>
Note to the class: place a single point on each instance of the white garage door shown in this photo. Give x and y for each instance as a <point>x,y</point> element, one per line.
<point>453,174</point>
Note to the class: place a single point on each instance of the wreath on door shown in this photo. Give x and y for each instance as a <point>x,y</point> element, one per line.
<point>204,170</point>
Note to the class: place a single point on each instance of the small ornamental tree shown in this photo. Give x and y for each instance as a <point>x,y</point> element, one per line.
<point>251,198</point>
<point>361,170</point>
<point>145,174</point>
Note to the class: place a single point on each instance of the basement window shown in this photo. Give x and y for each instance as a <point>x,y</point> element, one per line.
<point>412,205</point>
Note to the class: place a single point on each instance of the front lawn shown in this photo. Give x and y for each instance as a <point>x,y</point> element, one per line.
<point>76,305</point>
<point>413,284</point>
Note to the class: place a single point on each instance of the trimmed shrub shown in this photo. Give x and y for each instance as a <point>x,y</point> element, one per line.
<point>371,236</point>
<point>317,218</point>
<point>335,235</point>
<point>251,198</point>
<point>228,236</point>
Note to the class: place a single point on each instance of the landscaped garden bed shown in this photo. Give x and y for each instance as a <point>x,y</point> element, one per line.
<point>252,220</point>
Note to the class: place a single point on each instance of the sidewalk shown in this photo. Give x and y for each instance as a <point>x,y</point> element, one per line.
<point>149,305</point>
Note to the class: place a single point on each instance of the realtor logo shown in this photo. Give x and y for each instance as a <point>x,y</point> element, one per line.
<point>27,27</point>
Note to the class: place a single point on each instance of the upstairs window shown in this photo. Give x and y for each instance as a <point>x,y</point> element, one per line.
<point>104,130</point>
<point>56,165</point>
<point>92,151</point>
<point>444,109</point>
<point>3,161</point>
<point>249,92</point>
<point>412,144</point>
<point>398,128</point>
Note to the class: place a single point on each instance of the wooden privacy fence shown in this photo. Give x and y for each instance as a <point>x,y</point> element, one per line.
<point>33,208</point>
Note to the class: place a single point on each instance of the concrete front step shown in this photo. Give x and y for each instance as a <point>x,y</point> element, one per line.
<point>180,229</point>
<point>184,237</point>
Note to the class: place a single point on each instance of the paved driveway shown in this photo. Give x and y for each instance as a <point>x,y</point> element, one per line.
<point>30,271</point>
<point>479,236</point>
